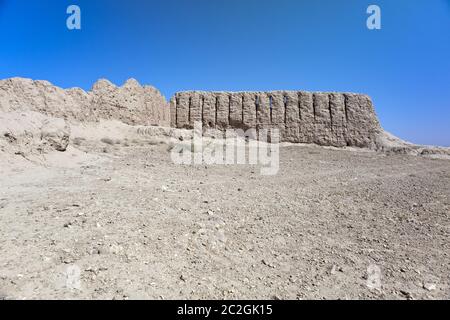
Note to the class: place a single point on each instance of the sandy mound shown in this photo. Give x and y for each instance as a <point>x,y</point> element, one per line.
<point>31,138</point>
<point>32,133</point>
<point>390,144</point>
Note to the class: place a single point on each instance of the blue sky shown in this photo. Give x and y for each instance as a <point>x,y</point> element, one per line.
<point>246,45</point>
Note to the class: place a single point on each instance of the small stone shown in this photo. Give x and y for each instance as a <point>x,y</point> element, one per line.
<point>333,269</point>
<point>407,294</point>
<point>429,286</point>
<point>265,262</point>
<point>94,251</point>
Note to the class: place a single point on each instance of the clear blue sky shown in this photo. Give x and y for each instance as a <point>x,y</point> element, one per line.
<point>246,45</point>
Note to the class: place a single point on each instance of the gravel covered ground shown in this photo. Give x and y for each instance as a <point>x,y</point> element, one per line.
<point>332,224</point>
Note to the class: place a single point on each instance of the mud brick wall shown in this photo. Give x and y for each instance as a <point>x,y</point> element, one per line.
<point>332,119</point>
<point>130,103</point>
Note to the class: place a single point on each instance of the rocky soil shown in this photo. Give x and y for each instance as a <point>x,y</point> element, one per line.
<point>113,218</point>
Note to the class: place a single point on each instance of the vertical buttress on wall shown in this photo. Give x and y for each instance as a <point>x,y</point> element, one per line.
<point>334,119</point>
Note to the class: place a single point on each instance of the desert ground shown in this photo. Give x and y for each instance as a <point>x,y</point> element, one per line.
<point>119,220</point>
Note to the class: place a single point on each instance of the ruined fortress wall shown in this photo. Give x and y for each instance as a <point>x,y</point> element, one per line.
<point>130,103</point>
<point>333,119</point>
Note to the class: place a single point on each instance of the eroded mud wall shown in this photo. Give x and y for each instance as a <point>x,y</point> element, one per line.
<point>333,119</point>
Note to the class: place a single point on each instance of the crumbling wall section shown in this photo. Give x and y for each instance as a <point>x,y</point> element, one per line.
<point>131,103</point>
<point>324,118</point>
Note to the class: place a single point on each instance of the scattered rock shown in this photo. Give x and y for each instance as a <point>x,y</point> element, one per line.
<point>429,286</point>
<point>406,294</point>
<point>107,141</point>
<point>56,133</point>
<point>267,263</point>
<point>335,269</point>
